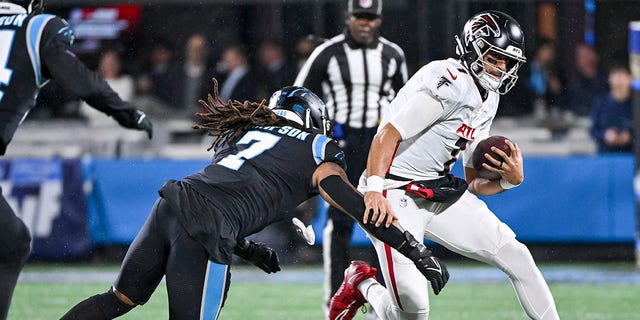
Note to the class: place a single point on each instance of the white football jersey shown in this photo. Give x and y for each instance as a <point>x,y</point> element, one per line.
<point>434,149</point>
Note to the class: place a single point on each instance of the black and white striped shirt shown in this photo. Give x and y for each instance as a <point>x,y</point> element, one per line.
<point>356,81</point>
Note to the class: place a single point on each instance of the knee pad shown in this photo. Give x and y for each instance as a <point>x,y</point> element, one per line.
<point>514,258</point>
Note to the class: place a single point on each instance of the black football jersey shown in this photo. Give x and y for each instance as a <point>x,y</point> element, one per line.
<point>249,185</point>
<point>34,49</point>
<point>264,174</point>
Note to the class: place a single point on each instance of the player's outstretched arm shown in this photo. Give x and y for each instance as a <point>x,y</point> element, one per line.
<point>60,64</point>
<point>335,188</point>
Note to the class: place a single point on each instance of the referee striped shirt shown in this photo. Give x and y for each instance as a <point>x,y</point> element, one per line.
<point>357,81</point>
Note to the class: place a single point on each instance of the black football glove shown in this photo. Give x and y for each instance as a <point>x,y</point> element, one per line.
<point>431,267</point>
<point>446,189</point>
<point>261,255</point>
<point>134,119</point>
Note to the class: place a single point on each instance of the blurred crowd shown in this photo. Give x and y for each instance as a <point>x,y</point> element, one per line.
<point>168,81</point>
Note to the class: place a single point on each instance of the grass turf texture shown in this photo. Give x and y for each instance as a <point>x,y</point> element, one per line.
<point>249,300</point>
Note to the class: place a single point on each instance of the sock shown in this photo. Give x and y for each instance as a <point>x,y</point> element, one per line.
<point>104,306</point>
<point>378,297</point>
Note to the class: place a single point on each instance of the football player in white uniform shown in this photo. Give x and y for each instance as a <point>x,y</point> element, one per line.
<point>442,111</point>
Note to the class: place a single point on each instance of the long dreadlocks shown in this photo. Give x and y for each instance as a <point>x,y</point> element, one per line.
<point>228,121</point>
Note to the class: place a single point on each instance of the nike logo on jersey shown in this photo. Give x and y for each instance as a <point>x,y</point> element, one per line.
<point>452,76</point>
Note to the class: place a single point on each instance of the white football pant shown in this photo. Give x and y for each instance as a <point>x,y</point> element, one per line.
<point>466,227</point>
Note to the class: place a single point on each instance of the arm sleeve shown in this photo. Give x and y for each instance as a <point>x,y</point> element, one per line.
<point>352,204</point>
<point>419,112</point>
<point>60,64</point>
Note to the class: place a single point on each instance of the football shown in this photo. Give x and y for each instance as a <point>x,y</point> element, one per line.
<point>483,147</point>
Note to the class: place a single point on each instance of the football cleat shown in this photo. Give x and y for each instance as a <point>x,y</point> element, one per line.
<point>347,300</point>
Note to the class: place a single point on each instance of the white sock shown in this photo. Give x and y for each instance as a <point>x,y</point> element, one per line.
<point>377,296</point>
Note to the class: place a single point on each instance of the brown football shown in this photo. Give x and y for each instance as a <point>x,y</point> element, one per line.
<point>483,147</point>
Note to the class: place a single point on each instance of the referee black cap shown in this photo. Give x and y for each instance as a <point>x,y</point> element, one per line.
<point>373,7</point>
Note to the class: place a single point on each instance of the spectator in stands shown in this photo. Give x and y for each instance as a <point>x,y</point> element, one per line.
<point>110,68</point>
<point>587,82</point>
<point>542,83</point>
<point>158,79</point>
<point>611,116</point>
<point>239,82</point>
<point>304,48</point>
<point>194,76</point>
<point>276,72</point>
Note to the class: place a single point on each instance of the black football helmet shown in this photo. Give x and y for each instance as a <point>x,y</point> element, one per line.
<point>32,6</point>
<point>492,32</point>
<point>300,105</point>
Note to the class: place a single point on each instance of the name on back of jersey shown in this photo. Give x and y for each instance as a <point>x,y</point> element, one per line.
<point>16,20</point>
<point>288,131</point>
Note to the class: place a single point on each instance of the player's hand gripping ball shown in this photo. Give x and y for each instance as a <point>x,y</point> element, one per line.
<point>483,147</point>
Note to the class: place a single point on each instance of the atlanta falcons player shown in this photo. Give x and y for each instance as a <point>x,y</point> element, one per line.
<point>438,114</point>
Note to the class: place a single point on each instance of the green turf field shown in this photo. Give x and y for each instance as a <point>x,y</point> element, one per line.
<point>290,300</point>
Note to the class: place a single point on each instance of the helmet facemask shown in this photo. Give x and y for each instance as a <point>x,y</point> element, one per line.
<point>507,78</point>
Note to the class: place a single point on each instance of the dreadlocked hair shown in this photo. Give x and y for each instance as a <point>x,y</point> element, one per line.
<point>228,121</point>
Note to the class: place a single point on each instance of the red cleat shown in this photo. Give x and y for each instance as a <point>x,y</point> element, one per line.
<point>347,300</point>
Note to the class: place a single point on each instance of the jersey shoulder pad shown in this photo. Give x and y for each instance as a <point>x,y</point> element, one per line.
<point>326,149</point>
<point>58,32</point>
<point>446,81</point>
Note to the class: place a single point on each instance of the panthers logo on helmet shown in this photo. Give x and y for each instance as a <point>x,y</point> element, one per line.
<point>482,25</point>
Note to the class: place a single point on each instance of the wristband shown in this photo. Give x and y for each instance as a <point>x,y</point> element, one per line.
<point>375,183</point>
<point>506,185</point>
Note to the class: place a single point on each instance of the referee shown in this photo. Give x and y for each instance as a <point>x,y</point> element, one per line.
<point>357,73</point>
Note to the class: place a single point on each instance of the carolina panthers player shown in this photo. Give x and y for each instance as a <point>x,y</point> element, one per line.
<point>34,48</point>
<point>441,111</point>
<point>268,159</point>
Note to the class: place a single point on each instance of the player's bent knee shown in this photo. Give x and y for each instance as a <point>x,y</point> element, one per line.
<point>514,257</point>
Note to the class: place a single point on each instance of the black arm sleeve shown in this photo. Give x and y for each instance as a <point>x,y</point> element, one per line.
<point>353,204</point>
<point>60,64</point>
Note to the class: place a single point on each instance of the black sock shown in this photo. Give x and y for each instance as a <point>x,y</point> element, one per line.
<point>104,306</point>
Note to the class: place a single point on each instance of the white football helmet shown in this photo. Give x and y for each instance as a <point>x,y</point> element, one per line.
<point>497,33</point>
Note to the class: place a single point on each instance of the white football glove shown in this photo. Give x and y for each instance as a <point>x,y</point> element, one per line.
<point>305,232</point>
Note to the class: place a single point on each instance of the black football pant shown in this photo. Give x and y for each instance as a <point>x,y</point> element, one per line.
<point>15,245</point>
<point>339,225</point>
<point>162,248</point>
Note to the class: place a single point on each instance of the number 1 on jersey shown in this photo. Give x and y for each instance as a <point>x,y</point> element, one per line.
<point>6,42</point>
<point>262,141</point>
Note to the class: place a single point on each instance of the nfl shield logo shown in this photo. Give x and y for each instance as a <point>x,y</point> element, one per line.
<point>403,202</point>
<point>365,3</point>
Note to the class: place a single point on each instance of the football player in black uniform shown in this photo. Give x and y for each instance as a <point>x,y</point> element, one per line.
<point>35,48</point>
<point>268,159</point>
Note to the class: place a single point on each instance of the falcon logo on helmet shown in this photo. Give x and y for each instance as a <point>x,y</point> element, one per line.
<point>300,105</point>
<point>482,25</point>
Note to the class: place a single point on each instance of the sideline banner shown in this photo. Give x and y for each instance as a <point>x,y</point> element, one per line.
<point>47,194</point>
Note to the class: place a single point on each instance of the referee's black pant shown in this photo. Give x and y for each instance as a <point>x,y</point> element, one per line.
<point>339,227</point>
